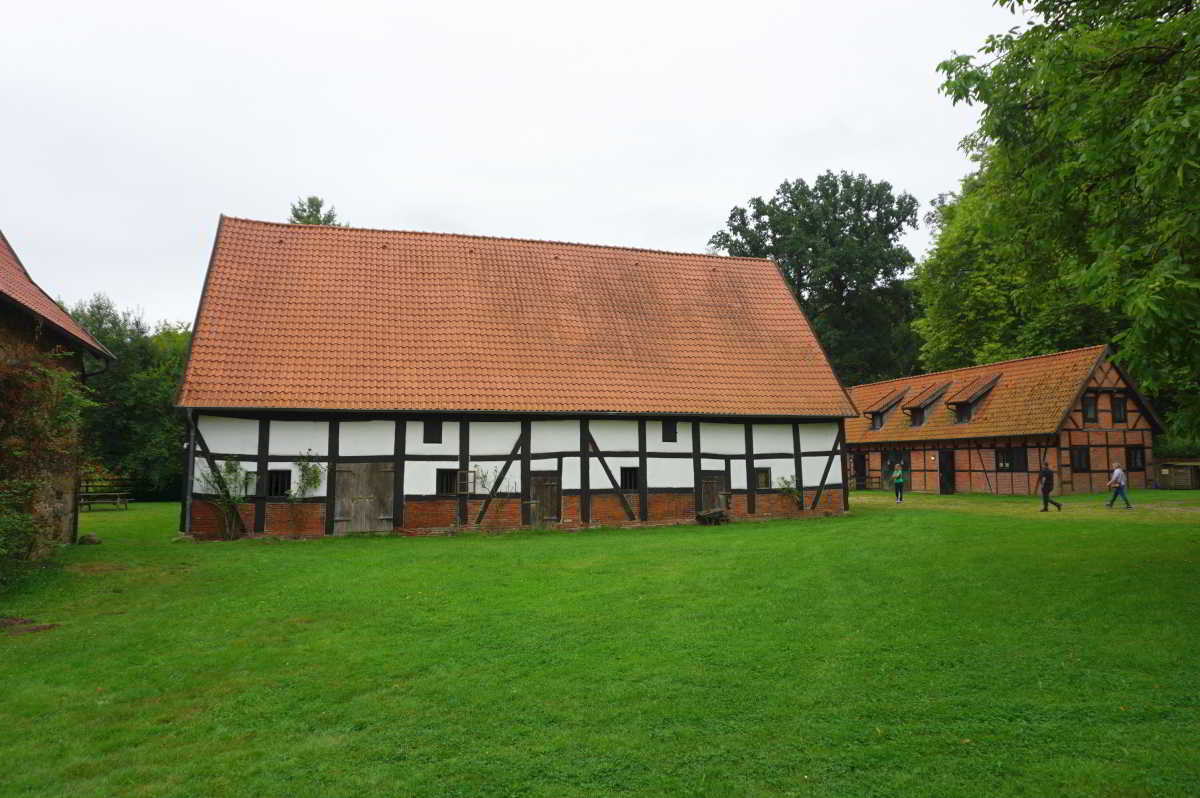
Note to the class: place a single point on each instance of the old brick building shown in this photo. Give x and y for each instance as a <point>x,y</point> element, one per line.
<point>987,428</point>
<point>29,317</point>
<point>450,381</point>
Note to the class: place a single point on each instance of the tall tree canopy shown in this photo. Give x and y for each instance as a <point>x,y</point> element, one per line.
<point>311,210</point>
<point>981,302</point>
<point>838,244</point>
<point>134,428</point>
<point>1089,145</point>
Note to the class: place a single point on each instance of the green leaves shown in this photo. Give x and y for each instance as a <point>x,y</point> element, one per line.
<point>837,243</point>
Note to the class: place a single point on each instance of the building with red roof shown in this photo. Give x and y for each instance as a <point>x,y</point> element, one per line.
<point>29,317</point>
<point>988,428</point>
<point>453,381</point>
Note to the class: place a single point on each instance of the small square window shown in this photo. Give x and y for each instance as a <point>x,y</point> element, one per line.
<point>962,413</point>
<point>1081,459</point>
<point>1118,408</point>
<point>762,478</point>
<point>1012,459</point>
<point>433,432</point>
<point>670,432</point>
<point>630,478</point>
<point>1135,458</point>
<point>1089,407</point>
<point>279,483</point>
<point>917,416</point>
<point>447,480</point>
<point>877,421</point>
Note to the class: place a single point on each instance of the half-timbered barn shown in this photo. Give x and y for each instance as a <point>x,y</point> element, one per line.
<point>987,428</point>
<point>453,381</point>
<point>30,318</point>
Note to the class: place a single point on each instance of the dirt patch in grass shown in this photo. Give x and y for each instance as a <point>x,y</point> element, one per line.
<point>20,626</point>
<point>97,567</point>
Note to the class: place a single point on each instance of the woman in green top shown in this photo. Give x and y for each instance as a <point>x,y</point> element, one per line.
<point>898,479</point>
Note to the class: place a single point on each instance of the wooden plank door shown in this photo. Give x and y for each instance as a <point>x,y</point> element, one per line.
<point>544,488</point>
<point>946,471</point>
<point>860,470</point>
<point>711,485</point>
<point>364,498</point>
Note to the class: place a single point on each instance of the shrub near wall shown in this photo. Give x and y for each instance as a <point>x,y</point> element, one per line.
<point>41,406</point>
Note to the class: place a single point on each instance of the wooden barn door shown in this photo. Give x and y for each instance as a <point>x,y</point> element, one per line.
<point>545,490</point>
<point>712,483</point>
<point>364,498</point>
<point>946,471</point>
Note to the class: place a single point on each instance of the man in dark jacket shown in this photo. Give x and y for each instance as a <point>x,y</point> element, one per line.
<point>1046,480</point>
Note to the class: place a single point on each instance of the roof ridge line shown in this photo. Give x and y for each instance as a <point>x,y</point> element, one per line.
<point>497,238</point>
<point>998,363</point>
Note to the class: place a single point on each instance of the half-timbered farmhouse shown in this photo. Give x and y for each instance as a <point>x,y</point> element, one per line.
<point>30,318</point>
<point>451,381</point>
<point>987,428</point>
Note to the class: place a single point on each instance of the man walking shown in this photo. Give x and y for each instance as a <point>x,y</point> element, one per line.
<point>1046,480</point>
<point>1117,482</point>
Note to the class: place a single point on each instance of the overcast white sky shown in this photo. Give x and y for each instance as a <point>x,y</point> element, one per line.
<point>129,126</point>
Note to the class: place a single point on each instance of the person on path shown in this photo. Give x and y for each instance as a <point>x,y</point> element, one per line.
<point>1117,482</point>
<point>1046,480</point>
<point>898,480</point>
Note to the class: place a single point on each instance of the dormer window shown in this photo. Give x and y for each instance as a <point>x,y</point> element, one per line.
<point>917,416</point>
<point>877,421</point>
<point>962,413</point>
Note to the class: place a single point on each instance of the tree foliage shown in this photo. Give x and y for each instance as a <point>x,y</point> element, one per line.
<point>134,428</point>
<point>311,210</point>
<point>1089,145</point>
<point>838,244</point>
<point>981,303</point>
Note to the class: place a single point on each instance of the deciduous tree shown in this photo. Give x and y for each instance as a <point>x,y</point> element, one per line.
<point>837,242</point>
<point>311,210</point>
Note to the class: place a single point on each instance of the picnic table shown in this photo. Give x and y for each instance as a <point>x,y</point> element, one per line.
<point>104,491</point>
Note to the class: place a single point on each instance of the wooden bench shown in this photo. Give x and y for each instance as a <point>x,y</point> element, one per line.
<point>106,491</point>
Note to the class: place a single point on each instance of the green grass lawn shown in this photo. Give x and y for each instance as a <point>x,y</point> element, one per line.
<point>952,646</point>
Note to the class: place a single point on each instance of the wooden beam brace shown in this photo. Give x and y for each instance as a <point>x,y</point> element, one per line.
<point>608,472</point>
<point>512,456</point>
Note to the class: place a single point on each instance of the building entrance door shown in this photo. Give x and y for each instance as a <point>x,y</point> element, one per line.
<point>860,470</point>
<point>544,489</point>
<point>946,471</point>
<point>364,498</point>
<point>712,484</point>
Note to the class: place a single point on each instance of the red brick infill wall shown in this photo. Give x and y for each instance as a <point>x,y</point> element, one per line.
<point>438,516</point>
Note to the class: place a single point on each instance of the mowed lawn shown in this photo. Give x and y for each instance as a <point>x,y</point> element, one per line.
<point>952,646</point>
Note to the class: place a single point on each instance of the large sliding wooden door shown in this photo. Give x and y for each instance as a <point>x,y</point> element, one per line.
<point>364,498</point>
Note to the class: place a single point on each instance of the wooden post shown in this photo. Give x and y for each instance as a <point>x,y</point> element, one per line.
<point>399,447</point>
<point>643,478</point>
<point>697,488</point>
<point>585,474</point>
<point>262,464</point>
<point>526,438</point>
<point>331,478</point>
<point>751,479</point>
<point>464,464</point>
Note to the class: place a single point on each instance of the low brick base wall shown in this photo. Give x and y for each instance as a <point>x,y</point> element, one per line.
<point>438,516</point>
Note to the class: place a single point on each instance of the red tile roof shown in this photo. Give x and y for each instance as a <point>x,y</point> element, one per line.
<point>312,317</point>
<point>17,285</point>
<point>1030,396</point>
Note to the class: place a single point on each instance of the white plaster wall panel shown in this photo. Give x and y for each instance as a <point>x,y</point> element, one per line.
<point>495,437</point>
<point>723,438</point>
<point>712,464</point>
<point>779,469</point>
<point>489,472</point>
<point>298,437</point>
<point>615,464</point>
<point>815,466</point>
<point>570,473</point>
<point>737,475</point>
<point>229,435</point>
<point>772,438</point>
<point>683,437</point>
<point>818,436</point>
<point>199,485</point>
<point>363,438</point>
<point>555,436</point>
<point>615,436</point>
<point>674,472</point>
<point>415,443</point>
<point>547,464</point>
<point>420,477</point>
